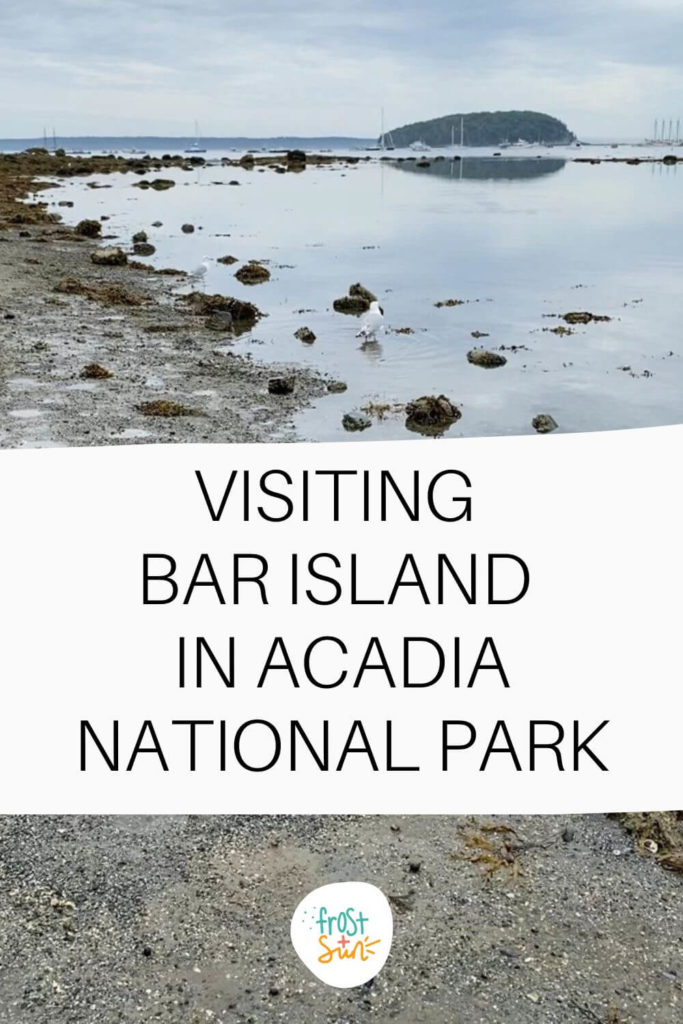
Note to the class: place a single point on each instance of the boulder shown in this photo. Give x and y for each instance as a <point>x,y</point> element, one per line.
<point>187,229</point>
<point>305,334</point>
<point>144,249</point>
<point>140,236</point>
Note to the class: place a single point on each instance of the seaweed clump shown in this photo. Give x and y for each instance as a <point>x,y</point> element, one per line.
<point>431,415</point>
<point>657,834</point>
<point>93,371</point>
<point>244,314</point>
<point>253,273</point>
<point>165,407</point>
<point>108,294</point>
<point>585,318</point>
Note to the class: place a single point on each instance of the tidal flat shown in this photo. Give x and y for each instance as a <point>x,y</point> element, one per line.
<point>534,293</point>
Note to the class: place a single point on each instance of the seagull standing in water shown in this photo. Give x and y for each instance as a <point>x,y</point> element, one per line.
<point>199,273</point>
<point>372,322</point>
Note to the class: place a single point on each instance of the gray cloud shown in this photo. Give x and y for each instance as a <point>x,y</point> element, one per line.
<point>323,67</point>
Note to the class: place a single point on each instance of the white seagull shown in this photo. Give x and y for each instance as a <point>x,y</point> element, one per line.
<point>372,322</point>
<point>199,273</point>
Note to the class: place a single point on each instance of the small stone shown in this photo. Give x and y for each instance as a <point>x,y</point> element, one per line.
<point>414,867</point>
<point>543,423</point>
<point>305,334</point>
<point>568,834</point>
<point>187,229</point>
<point>336,387</point>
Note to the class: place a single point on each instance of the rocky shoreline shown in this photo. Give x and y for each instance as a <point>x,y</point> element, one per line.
<point>61,314</point>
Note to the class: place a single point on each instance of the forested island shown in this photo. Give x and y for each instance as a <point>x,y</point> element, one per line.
<point>486,128</point>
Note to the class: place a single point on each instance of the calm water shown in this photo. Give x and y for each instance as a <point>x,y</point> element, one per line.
<point>516,239</point>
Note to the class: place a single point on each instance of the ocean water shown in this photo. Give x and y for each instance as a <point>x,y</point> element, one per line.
<point>518,240</point>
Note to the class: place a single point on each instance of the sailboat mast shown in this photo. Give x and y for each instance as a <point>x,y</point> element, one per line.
<point>462,129</point>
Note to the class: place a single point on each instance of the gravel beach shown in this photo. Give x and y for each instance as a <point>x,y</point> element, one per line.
<point>186,920</point>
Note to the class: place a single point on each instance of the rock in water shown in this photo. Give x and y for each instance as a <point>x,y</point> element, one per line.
<point>431,414</point>
<point>353,421</point>
<point>88,228</point>
<point>144,249</point>
<point>482,357</point>
<point>585,318</point>
<point>305,334</point>
<point>253,273</point>
<point>362,292</point>
<point>187,229</point>
<point>351,304</point>
<point>543,423</point>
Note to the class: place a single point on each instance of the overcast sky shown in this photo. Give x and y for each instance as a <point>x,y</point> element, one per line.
<point>324,67</point>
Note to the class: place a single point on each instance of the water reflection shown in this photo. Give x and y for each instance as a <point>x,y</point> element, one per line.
<point>482,168</point>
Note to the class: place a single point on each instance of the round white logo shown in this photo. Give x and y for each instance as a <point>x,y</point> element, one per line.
<point>342,932</point>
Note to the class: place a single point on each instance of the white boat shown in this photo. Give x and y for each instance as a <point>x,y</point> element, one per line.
<point>419,146</point>
<point>196,146</point>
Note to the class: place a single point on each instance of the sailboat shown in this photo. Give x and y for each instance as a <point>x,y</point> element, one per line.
<point>196,146</point>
